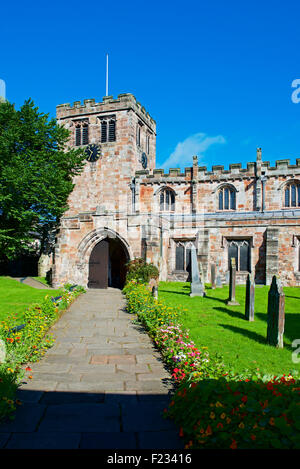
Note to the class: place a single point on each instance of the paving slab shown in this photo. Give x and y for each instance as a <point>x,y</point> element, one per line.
<point>44,440</point>
<point>166,440</point>
<point>108,441</point>
<point>27,419</point>
<point>81,418</point>
<point>102,385</point>
<point>4,437</point>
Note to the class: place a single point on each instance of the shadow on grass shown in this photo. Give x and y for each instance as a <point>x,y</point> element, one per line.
<point>253,336</point>
<point>250,334</point>
<point>161,290</point>
<point>233,314</point>
<point>216,299</point>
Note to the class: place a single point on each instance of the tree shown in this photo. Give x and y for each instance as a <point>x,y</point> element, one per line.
<point>36,176</point>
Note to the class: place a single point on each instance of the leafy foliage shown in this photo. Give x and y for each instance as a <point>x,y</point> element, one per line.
<point>36,172</point>
<point>141,271</point>
<point>234,413</point>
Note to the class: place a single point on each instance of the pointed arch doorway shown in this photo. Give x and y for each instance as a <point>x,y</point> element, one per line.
<point>107,264</point>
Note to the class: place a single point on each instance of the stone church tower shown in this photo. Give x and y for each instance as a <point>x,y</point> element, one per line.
<point>120,138</point>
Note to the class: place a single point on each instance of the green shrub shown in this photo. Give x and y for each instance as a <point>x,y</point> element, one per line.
<point>141,271</point>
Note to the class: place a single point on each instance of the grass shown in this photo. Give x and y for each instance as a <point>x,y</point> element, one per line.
<point>15,297</point>
<point>224,330</point>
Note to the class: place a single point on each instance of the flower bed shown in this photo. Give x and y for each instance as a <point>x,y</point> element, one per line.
<point>28,344</point>
<point>213,407</point>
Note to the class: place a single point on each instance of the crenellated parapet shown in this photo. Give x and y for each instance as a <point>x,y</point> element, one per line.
<point>124,101</point>
<point>282,168</point>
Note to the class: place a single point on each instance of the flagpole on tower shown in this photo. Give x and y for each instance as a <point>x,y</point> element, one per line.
<point>106,74</point>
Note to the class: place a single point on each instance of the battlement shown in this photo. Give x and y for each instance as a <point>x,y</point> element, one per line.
<point>109,104</point>
<point>235,171</point>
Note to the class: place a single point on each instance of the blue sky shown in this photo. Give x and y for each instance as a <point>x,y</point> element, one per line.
<point>216,76</point>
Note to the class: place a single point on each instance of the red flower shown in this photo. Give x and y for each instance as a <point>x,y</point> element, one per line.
<point>244,398</point>
<point>208,430</point>
<point>233,445</point>
<point>28,368</point>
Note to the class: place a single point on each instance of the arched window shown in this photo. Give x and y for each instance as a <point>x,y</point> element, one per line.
<point>227,198</point>
<point>183,256</point>
<point>240,250</point>
<point>81,132</point>
<point>108,129</point>
<point>167,200</point>
<point>292,194</point>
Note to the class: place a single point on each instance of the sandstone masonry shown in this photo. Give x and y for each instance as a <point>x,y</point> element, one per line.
<point>251,214</point>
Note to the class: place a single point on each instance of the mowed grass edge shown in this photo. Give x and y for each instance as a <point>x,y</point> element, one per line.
<point>15,297</point>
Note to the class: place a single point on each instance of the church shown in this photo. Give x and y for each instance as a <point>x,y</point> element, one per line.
<point>123,207</point>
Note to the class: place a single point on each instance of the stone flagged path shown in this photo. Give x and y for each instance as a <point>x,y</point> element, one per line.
<point>101,386</point>
<point>31,282</point>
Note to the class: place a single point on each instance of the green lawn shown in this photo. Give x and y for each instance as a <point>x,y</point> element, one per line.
<point>15,297</point>
<point>223,329</point>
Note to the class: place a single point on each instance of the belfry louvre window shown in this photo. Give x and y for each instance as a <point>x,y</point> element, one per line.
<point>227,198</point>
<point>240,250</point>
<point>167,201</point>
<point>138,135</point>
<point>81,133</point>
<point>292,195</point>
<point>108,130</point>
<point>183,256</point>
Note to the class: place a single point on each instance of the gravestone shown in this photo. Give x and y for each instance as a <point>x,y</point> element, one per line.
<point>197,287</point>
<point>155,292</point>
<point>213,276</point>
<point>219,283</point>
<point>232,280</point>
<point>2,351</point>
<point>250,293</point>
<point>276,314</point>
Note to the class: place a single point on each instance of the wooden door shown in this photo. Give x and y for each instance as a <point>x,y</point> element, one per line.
<point>98,265</point>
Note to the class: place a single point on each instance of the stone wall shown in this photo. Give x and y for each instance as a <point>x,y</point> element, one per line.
<point>115,196</point>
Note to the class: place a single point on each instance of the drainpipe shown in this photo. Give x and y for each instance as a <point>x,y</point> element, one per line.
<point>132,187</point>
<point>263,181</point>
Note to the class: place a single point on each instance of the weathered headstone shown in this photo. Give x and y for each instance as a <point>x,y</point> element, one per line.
<point>213,276</point>
<point>197,287</point>
<point>232,280</point>
<point>250,294</point>
<point>2,351</point>
<point>155,292</point>
<point>219,283</point>
<point>276,314</point>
